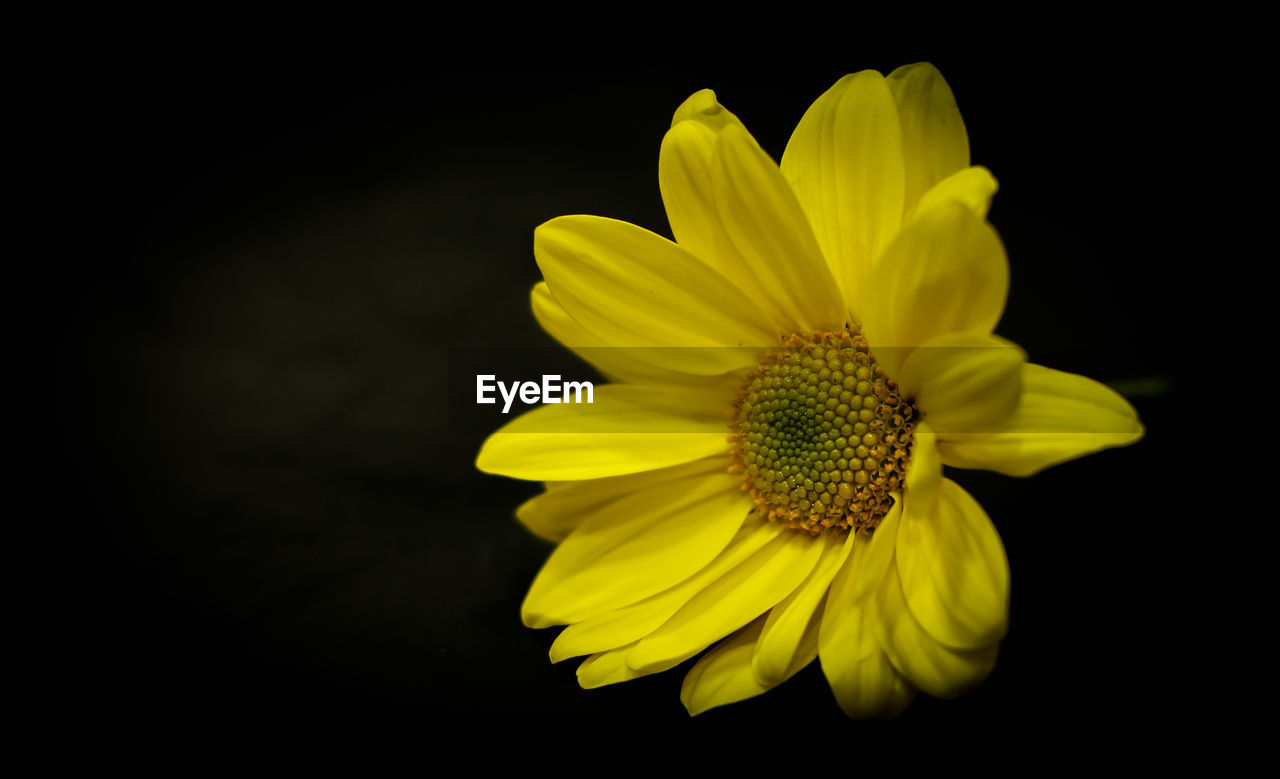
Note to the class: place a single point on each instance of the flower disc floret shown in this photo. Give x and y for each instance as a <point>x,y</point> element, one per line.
<point>823,436</point>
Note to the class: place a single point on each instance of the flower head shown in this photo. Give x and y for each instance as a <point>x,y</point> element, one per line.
<point>788,378</point>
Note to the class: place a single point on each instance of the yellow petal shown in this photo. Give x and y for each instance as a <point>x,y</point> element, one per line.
<point>730,602</point>
<point>565,504</point>
<point>865,684</point>
<point>634,288</point>
<point>703,107</point>
<point>924,474</point>
<point>1061,416</point>
<point>782,642</point>
<point>955,576</point>
<point>964,382</point>
<point>869,688</point>
<point>629,428</point>
<point>876,556</point>
<point>945,273</point>
<point>971,187</point>
<point>685,178</point>
<point>542,517</point>
<point>607,668</point>
<point>845,163</point>
<point>631,623</point>
<point>852,589</point>
<point>934,141</point>
<point>770,231</point>
<point>616,364</point>
<point>927,663</point>
<point>637,546</point>
<point>723,675</point>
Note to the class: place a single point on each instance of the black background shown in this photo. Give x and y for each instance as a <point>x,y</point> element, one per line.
<point>235,423</point>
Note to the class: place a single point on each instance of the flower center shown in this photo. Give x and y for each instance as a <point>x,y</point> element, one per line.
<point>822,436</point>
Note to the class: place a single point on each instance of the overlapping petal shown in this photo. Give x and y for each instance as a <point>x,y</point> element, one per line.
<point>730,602</point>
<point>723,675</point>
<point>634,288</point>
<point>686,176</point>
<point>616,364</point>
<point>566,504</point>
<point>626,430</point>
<point>927,663</point>
<point>934,142</point>
<point>924,475</point>
<point>866,687</point>
<point>865,683</point>
<point>629,624</point>
<point>854,585</point>
<point>964,382</point>
<point>946,272</point>
<point>765,223</point>
<point>845,163</point>
<point>785,637</point>
<point>953,569</point>
<point>1060,416</point>
<point>636,546</point>
<point>606,668</point>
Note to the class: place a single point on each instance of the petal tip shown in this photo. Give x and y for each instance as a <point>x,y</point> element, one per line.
<point>558,654</point>
<point>704,107</point>
<point>491,462</point>
<point>691,707</point>
<point>533,618</point>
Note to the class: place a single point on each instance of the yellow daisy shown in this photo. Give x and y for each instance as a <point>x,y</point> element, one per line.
<point>788,378</point>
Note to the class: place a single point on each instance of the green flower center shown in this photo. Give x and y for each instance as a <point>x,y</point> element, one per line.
<point>823,437</point>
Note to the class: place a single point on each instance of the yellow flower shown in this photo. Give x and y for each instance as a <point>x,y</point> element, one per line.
<point>840,308</point>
